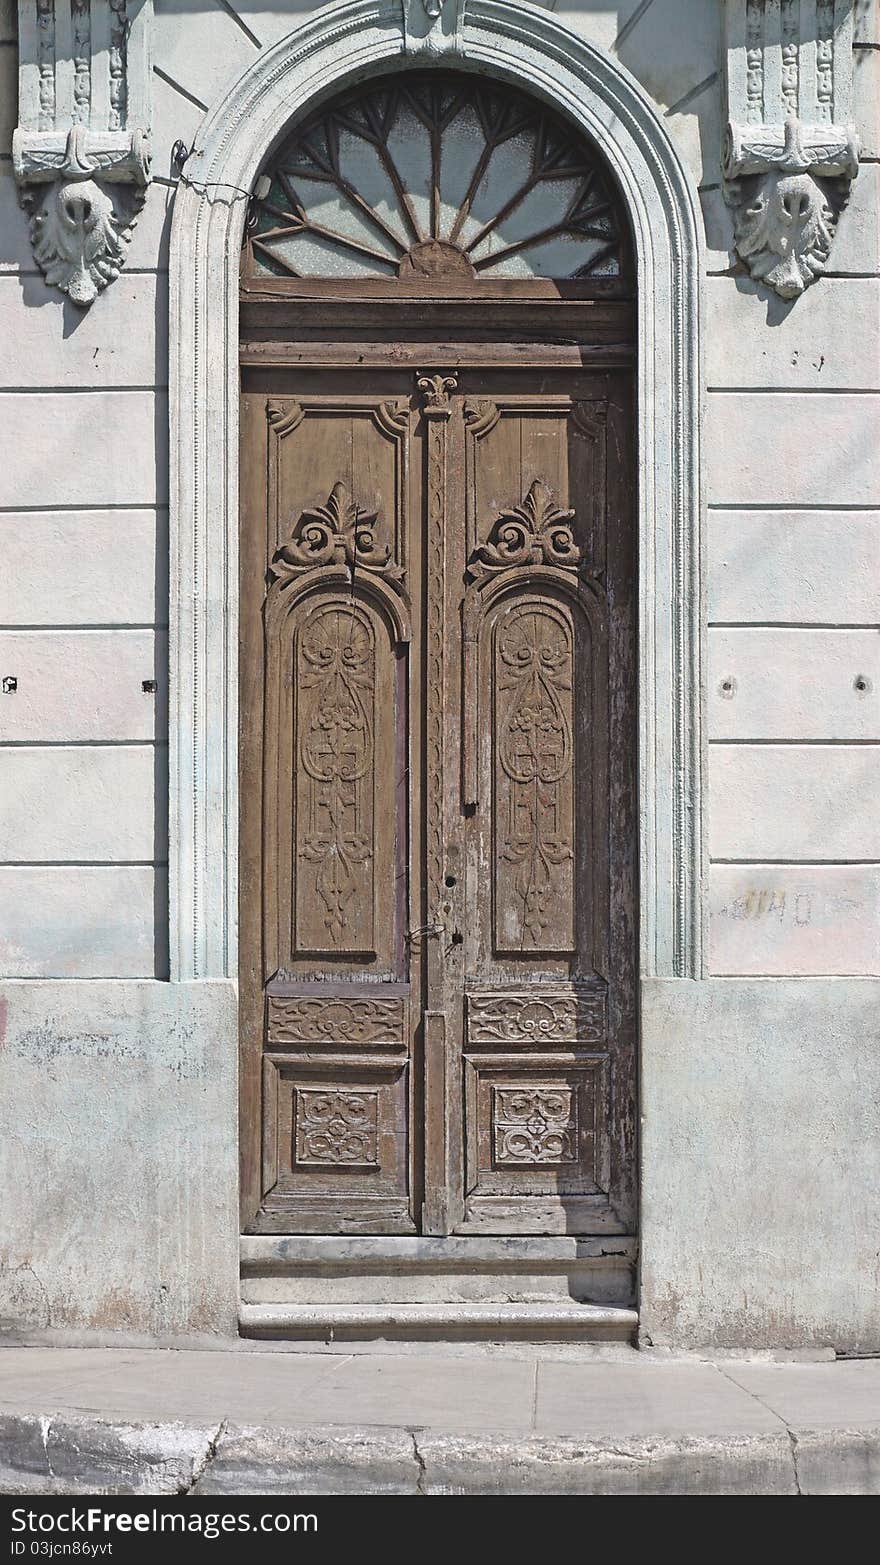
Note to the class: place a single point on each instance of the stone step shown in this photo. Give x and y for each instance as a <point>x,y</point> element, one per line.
<point>290,1269</point>
<point>524,1322</point>
<point>375,1286</point>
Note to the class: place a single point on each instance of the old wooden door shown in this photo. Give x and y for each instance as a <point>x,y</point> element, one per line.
<point>438,832</point>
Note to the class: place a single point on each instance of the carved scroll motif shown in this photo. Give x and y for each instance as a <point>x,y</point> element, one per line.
<point>535,532</point>
<point>537,1020</point>
<point>81,150</point>
<point>307,1019</point>
<point>340,532</point>
<point>790,149</point>
<point>534,763</point>
<point>787,186</point>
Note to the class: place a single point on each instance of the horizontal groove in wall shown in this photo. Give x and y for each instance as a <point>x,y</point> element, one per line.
<point>87,507</point>
<point>83,629</point>
<point>9,269</point>
<point>798,864</point>
<point>88,978</point>
<point>83,863</point>
<point>83,744</point>
<point>786,624</point>
<point>798,744</point>
<point>126,625</point>
<point>791,506</point>
<point>795,391</point>
<point>734,271</point>
<point>78,391</point>
<point>803,978</point>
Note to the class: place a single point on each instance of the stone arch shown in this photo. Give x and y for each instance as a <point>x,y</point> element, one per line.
<point>526,46</point>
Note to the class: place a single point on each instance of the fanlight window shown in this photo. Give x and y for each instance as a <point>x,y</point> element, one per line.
<point>436,177</point>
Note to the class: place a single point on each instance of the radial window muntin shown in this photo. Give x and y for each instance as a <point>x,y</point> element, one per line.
<point>436,178</point>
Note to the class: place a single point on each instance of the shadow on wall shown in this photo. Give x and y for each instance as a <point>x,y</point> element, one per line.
<point>674,50</point>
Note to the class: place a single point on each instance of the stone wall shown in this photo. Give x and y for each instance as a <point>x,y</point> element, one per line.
<point>793,579</point>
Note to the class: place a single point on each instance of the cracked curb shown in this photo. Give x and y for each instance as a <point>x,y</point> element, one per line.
<point>420,1463</point>
<point>66,1454</point>
<point>201,1465</point>
<point>60,1453</point>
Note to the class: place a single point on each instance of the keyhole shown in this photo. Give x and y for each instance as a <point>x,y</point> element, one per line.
<point>451,880</point>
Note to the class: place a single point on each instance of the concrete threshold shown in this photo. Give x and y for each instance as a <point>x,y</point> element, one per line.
<point>126,1421</point>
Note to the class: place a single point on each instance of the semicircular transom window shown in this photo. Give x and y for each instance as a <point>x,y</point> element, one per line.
<point>437,177</point>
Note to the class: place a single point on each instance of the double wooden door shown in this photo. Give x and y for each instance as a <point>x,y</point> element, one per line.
<point>438,832</point>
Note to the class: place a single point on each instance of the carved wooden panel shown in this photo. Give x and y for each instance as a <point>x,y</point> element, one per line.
<point>535,475</point>
<point>445,1003</point>
<point>534,1125</point>
<point>537,1018</point>
<point>334,1145</point>
<point>336,1128</point>
<point>319,1019</point>
<point>337,843</point>
<point>537,1129</point>
<point>337,468</point>
<point>533,788</point>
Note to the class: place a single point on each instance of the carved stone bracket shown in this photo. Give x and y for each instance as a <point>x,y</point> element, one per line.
<point>790,150</point>
<point>81,150</point>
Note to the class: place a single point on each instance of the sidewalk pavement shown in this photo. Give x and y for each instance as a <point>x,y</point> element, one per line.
<point>262,1420</point>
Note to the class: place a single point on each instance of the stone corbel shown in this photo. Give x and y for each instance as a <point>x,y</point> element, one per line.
<point>81,151</point>
<point>790,150</point>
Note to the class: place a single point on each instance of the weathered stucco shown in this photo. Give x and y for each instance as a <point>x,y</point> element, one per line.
<point>761,1164</point>
<point>118,1162</point>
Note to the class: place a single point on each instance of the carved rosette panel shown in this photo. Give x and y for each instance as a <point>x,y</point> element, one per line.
<point>336,1128</point>
<point>535,1020</point>
<point>535,1128</point>
<point>534,1125</point>
<point>311,1019</point>
<point>81,151</point>
<point>533,784</point>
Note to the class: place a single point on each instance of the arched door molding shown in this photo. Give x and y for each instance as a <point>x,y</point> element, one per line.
<point>522,44</point>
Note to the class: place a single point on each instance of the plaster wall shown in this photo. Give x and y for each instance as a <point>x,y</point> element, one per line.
<point>793,584</point>
<point>118,1160</point>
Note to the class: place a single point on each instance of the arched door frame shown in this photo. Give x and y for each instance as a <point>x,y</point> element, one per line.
<point>522,44</point>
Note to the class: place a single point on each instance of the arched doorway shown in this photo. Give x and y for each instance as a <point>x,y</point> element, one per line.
<point>438,928</point>
<point>530,49</point>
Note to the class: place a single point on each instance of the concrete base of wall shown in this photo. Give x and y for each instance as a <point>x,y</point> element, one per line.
<point>118,1159</point>
<point>760,1163</point>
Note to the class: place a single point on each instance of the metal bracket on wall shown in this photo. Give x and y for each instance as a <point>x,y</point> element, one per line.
<point>81,150</point>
